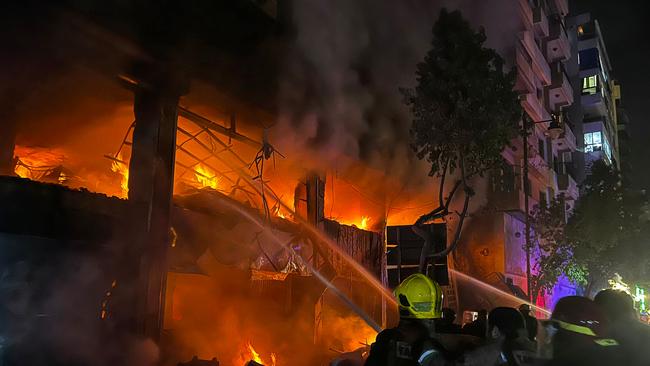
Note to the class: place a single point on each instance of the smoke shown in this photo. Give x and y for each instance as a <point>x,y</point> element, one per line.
<point>340,101</point>
<point>339,95</point>
<point>51,312</point>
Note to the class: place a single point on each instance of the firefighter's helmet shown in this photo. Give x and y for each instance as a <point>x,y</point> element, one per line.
<point>580,315</point>
<point>419,297</point>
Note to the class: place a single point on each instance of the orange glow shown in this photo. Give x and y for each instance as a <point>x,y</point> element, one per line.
<point>123,170</point>
<point>36,163</point>
<point>206,177</point>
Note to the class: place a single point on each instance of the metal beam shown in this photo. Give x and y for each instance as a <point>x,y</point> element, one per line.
<point>206,123</point>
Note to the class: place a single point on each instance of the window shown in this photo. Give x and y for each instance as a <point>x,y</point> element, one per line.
<point>541,146</point>
<point>590,85</point>
<point>504,179</point>
<point>607,149</point>
<point>589,59</point>
<point>594,141</point>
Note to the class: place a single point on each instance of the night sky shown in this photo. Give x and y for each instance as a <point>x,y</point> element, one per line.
<point>624,27</point>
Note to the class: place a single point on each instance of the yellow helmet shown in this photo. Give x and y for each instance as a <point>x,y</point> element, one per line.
<point>419,297</point>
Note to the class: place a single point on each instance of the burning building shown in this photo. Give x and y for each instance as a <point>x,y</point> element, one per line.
<point>155,187</point>
<point>219,178</point>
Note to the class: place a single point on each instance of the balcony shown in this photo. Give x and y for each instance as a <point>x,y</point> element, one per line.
<point>534,107</point>
<point>560,92</point>
<point>560,7</point>
<point>525,76</point>
<point>558,47</point>
<point>594,105</point>
<point>540,22</point>
<point>567,185</point>
<point>539,63</point>
<point>567,140</point>
<point>526,13</point>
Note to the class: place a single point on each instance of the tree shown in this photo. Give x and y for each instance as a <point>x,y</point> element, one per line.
<point>552,252</point>
<point>464,111</point>
<point>607,231</point>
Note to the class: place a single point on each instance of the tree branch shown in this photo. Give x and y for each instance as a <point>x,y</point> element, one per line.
<point>463,214</point>
<point>441,192</point>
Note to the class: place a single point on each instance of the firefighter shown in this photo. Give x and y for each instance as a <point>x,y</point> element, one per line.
<point>412,341</point>
<point>577,334</point>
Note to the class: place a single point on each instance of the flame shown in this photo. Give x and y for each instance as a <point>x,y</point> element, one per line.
<point>362,223</point>
<point>206,177</point>
<point>123,170</point>
<point>250,354</point>
<point>365,220</point>
<point>254,355</point>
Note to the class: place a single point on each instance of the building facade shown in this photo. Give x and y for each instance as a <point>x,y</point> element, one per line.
<point>600,95</point>
<point>542,50</point>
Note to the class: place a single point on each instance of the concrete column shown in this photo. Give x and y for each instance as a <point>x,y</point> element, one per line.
<point>151,183</point>
<point>7,132</point>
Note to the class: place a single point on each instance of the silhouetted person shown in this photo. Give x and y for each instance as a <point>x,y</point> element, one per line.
<point>447,323</point>
<point>577,334</point>
<point>632,335</point>
<point>531,321</point>
<point>507,341</point>
<point>478,327</point>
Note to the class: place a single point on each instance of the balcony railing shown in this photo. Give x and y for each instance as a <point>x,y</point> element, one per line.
<point>540,22</point>
<point>560,7</point>
<point>560,91</point>
<point>539,63</point>
<point>558,47</point>
<point>534,107</point>
<point>567,140</point>
<point>525,75</point>
<point>526,13</point>
<point>567,185</point>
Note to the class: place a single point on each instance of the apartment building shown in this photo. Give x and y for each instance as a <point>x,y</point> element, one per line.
<point>599,95</point>
<point>541,50</point>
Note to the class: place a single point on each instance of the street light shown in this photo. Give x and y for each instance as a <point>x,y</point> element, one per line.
<point>554,130</point>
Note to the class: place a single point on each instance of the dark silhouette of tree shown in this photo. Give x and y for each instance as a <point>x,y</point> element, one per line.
<point>552,253</point>
<point>464,111</point>
<point>609,229</point>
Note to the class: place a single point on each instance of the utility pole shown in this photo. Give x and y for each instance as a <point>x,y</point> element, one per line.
<point>524,134</point>
<point>553,130</point>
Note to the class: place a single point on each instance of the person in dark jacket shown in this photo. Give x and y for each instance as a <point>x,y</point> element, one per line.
<point>577,334</point>
<point>447,324</point>
<point>531,321</point>
<point>508,343</point>
<point>632,335</point>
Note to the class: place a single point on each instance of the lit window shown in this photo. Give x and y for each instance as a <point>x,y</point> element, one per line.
<point>594,142</point>
<point>590,85</point>
<point>581,30</point>
<point>608,150</point>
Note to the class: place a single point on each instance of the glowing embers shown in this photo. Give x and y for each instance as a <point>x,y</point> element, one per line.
<point>120,167</point>
<point>250,354</point>
<point>40,164</point>
<point>206,178</point>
